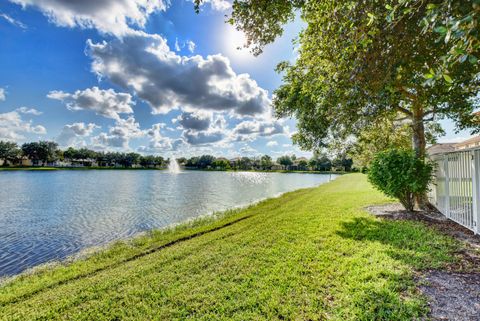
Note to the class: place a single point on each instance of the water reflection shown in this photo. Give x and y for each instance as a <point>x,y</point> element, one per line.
<point>50,215</point>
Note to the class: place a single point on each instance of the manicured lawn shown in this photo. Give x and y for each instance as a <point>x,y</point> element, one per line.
<point>312,254</point>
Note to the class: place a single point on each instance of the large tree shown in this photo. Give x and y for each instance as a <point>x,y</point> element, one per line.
<point>361,61</point>
<point>43,151</point>
<point>9,152</point>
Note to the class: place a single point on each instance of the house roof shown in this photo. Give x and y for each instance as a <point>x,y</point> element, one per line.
<point>468,142</point>
<point>302,159</point>
<point>441,148</point>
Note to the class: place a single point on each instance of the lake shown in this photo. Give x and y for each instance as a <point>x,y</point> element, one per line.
<point>49,215</point>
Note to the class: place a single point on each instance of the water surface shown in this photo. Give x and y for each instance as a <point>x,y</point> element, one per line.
<point>49,215</point>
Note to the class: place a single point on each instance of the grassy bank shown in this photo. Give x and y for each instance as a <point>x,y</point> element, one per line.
<point>309,254</point>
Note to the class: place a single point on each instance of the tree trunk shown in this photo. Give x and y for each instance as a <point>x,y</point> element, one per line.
<point>419,146</point>
<point>419,143</point>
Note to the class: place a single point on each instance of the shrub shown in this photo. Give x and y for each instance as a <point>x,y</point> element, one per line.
<point>398,173</point>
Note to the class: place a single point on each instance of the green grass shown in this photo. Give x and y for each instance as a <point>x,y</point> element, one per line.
<point>27,168</point>
<point>312,254</point>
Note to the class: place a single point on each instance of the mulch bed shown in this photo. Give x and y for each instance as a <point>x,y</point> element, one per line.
<point>454,292</point>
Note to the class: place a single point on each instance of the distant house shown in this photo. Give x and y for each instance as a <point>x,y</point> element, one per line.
<point>441,148</point>
<point>451,147</point>
<point>469,143</point>
<point>24,161</point>
<point>276,167</point>
<point>87,162</point>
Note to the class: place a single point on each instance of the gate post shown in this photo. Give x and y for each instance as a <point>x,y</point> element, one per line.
<point>447,187</point>
<point>475,191</point>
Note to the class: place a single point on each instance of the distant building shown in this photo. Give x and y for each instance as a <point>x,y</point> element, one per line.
<point>469,143</point>
<point>235,161</point>
<point>441,148</point>
<point>451,147</point>
<point>276,167</point>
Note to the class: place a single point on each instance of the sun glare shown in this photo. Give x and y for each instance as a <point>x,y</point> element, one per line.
<point>233,42</point>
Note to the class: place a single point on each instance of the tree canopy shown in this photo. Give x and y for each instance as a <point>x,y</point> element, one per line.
<point>9,151</point>
<point>363,61</point>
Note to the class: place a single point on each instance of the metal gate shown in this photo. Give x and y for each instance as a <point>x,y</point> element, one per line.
<point>455,189</point>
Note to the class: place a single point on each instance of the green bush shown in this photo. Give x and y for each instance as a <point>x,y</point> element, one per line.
<point>398,173</point>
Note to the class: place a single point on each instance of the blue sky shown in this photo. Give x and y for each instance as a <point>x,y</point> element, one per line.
<point>138,75</point>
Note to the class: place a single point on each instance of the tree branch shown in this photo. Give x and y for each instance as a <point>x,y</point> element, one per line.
<point>404,110</point>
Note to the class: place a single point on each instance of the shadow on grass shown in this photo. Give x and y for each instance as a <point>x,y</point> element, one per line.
<point>411,243</point>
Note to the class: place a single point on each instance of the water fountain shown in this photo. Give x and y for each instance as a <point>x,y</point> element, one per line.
<point>173,167</point>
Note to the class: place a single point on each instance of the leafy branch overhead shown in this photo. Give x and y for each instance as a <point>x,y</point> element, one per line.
<point>362,61</point>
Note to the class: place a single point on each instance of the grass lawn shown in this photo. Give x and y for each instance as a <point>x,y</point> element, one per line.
<point>26,168</point>
<point>312,254</point>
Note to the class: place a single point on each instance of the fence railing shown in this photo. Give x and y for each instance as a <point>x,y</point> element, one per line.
<point>455,190</point>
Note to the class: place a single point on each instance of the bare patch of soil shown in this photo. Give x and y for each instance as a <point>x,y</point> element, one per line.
<point>452,296</point>
<point>452,293</point>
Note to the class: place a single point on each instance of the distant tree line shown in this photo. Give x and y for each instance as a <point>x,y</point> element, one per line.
<point>45,153</point>
<point>319,162</point>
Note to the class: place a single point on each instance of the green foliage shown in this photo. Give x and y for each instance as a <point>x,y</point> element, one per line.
<point>343,163</point>
<point>9,151</point>
<point>400,174</point>
<point>205,161</point>
<point>456,23</point>
<point>285,161</point>
<point>42,151</point>
<point>266,162</point>
<point>302,164</point>
<point>380,136</point>
<point>320,162</point>
<point>221,163</point>
<point>312,254</point>
<point>357,65</point>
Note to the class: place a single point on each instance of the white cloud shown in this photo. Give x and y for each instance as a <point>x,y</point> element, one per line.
<point>13,127</point>
<point>119,135</point>
<point>191,46</point>
<point>107,103</point>
<point>116,17</point>
<point>248,150</point>
<point>74,134</point>
<point>13,21</point>
<point>251,129</point>
<point>218,5</point>
<point>202,128</point>
<point>167,81</point>
<point>158,142</point>
<point>29,111</point>
<point>177,45</point>
<point>272,143</point>
<point>2,94</point>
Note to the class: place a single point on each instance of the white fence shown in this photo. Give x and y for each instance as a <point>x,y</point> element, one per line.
<point>456,187</point>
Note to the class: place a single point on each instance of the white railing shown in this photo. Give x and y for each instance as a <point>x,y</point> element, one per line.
<point>455,190</point>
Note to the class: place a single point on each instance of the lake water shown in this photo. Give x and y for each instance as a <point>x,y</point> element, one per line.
<point>49,215</point>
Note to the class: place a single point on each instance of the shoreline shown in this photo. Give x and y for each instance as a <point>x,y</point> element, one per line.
<point>47,168</point>
<point>87,252</point>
